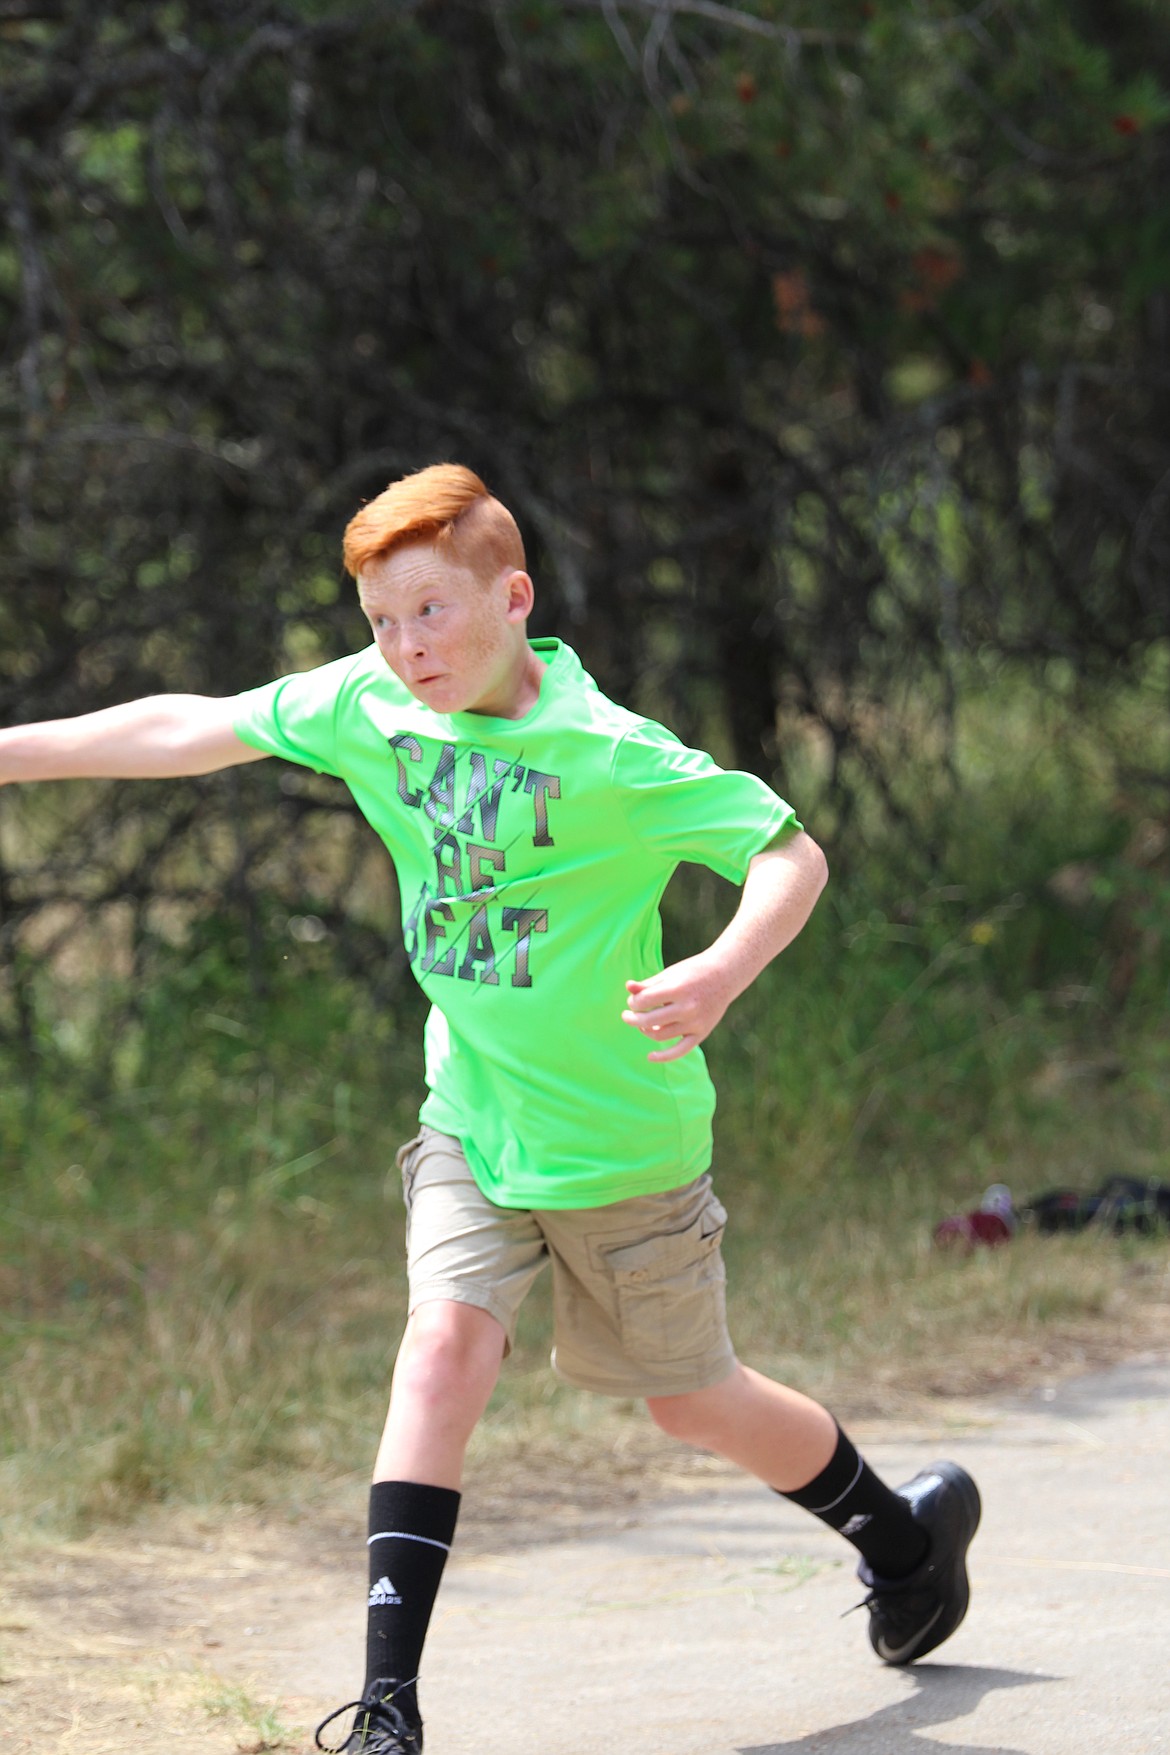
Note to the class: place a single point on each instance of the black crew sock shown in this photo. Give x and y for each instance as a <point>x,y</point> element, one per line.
<point>851,1499</point>
<point>411,1530</point>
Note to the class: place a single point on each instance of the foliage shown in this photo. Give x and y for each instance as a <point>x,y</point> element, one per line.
<point>822,351</point>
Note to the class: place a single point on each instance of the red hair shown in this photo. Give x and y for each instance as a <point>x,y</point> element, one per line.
<point>446,505</point>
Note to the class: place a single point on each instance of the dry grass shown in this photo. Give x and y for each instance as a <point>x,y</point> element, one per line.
<point>227,1339</point>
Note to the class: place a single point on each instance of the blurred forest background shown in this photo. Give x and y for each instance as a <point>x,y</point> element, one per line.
<point>823,353</point>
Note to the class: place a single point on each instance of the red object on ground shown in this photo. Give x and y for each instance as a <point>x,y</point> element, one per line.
<point>973,1230</point>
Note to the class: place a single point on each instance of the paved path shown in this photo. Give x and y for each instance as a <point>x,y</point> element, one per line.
<point>713,1622</point>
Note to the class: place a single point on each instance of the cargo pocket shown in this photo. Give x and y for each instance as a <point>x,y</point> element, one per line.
<point>669,1291</point>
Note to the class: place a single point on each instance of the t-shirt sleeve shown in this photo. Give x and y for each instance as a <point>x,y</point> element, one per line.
<point>681,804</point>
<point>296,716</point>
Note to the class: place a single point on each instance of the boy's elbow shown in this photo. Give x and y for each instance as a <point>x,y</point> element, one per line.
<point>815,863</point>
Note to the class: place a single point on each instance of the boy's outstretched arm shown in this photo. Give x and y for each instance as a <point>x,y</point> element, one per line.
<point>687,1000</point>
<point>157,737</point>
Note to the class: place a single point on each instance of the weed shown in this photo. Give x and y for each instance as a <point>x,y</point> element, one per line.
<point>258,1728</point>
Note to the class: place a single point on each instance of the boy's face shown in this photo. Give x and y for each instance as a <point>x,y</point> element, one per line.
<point>455,639</point>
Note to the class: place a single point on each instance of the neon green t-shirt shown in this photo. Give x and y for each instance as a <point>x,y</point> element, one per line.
<point>532,855</point>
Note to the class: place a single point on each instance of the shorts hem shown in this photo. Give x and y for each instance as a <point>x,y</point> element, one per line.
<point>455,1292</point>
<point>706,1374</point>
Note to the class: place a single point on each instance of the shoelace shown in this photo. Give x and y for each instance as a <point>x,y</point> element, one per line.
<point>902,1604</point>
<point>389,1719</point>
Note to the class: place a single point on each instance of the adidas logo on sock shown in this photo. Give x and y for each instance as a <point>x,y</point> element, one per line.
<point>383,1593</point>
<point>856,1524</point>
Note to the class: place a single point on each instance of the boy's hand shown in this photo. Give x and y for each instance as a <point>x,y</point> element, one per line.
<point>681,1006</point>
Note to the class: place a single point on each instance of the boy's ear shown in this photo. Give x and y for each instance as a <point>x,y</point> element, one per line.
<point>521,595</point>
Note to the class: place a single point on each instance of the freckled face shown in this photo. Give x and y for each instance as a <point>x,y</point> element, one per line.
<point>458,643</point>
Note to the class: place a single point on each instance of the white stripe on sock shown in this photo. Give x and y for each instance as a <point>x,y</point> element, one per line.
<point>820,1510</point>
<point>406,1536</point>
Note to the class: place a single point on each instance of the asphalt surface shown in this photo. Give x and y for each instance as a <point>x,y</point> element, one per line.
<point>714,1621</point>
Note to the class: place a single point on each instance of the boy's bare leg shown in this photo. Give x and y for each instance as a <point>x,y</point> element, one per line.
<point>776,1433</point>
<point>797,1448</point>
<point>443,1378</point>
<point>912,1540</point>
<point>446,1370</point>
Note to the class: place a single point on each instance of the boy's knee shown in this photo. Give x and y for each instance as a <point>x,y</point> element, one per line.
<point>685,1417</point>
<point>450,1352</point>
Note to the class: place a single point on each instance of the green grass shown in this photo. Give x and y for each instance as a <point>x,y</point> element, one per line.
<point>201,1281</point>
<point>230,1704</point>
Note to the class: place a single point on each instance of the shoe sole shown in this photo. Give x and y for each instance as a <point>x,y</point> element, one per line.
<point>939,1629</point>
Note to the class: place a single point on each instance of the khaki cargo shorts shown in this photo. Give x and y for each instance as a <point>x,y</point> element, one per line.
<point>638,1286</point>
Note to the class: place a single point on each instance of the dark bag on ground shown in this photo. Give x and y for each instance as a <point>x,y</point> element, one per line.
<point>1121,1204</point>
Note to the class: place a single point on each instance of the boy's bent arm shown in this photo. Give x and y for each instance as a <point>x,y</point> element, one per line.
<point>158,737</point>
<point>687,1000</point>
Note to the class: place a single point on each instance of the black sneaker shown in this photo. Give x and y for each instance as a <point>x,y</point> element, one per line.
<point>910,1616</point>
<point>387,1722</point>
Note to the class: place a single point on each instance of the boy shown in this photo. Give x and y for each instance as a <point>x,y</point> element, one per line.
<point>534,826</point>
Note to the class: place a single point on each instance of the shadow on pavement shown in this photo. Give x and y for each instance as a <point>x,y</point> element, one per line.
<point>943,1692</point>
